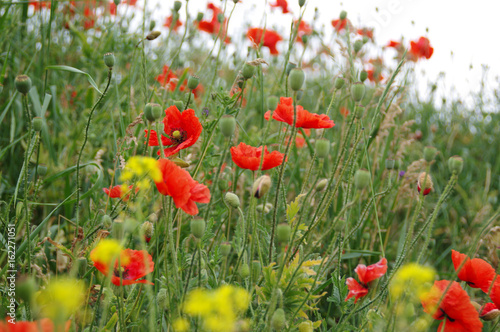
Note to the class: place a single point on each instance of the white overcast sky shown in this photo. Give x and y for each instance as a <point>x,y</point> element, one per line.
<point>468,29</point>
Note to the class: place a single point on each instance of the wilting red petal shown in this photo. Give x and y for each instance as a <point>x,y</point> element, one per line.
<point>476,272</point>
<point>284,112</point>
<point>369,273</point>
<point>248,157</point>
<point>355,290</point>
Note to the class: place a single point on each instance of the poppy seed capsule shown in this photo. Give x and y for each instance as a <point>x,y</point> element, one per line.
<point>179,104</point>
<point>225,249</point>
<point>198,227</point>
<point>343,15</point>
<point>339,83</point>
<point>278,319</point>
<point>220,17</point>
<point>272,102</point>
<point>455,164</point>
<point>321,185</point>
<point>424,183</point>
<point>199,17</point>
<point>297,78</point>
<point>322,148</point>
<point>247,71</point>
<point>227,125</point>
<point>153,35</point>
<point>147,230</point>
<point>358,91</point>
<point>429,153</point>
<point>289,67</point>
<point>232,200</point>
<point>363,75</point>
<point>283,232</point>
<point>152,112</point>
<point>193,82</point>
<point>361,179</point>
<point>390,163</point>
<point>305,39</point>
<point>109,60</point>
<point>261,186</point>
<point>37,123</point>
<point>358,44</point>
<point>244,270</point>
<point>177,5</point>
<point>23,84</point>
<point>302,3</point>
<point>106,221</point>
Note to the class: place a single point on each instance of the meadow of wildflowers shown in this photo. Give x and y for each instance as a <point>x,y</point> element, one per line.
<point>201,174</point>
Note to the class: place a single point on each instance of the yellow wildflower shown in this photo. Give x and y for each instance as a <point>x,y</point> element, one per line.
<point>181,325</point>
<point>108,250</point>
<point>414,277</point>
<point>61,298</point>
<point>139,167</point>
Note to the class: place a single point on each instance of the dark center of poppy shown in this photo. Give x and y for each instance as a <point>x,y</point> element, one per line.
<point>470,283</point>
<point>178,136</point>
<point>124,272</point>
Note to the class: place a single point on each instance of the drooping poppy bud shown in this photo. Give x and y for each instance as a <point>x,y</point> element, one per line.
<point>361,179</point>
<point>306,326</point>
<point>153,35</point>
<point>321,184</point>
<point>363,75</point>
<point>261,186</point>
<point>424,183</point>
<point>358,91</point>
<point>232,200</point>
<point>302,3</point>
<point>343,15</point>
<point>198,226</point>
<point>41,170</point>
<point>358,44</point>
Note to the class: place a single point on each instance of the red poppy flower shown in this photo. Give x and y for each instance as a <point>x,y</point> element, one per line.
<point>116,192</point>
<point>455,308</point>
<point>42,325</point>
<point>179,184</point>
<point>89,20</point>
<point>339,24</point>
<point>248,157</point>
<point>38,5</point>
<point>182,130</point>
<point>366,274</point>
<point>394,44</point>
<point>303,30</point>
<point>489,312</point>
<point>366,32</point>
<point>133,265</point>
<point>300,141</point>
<point>476,272</point>
<point>213,26</point>
<point>112,8</point>
<point>169,21</point>
<point>167,78</point>
<point>421,48</point>
<point>130,2</point>
<point>344,111</point>
<point>271,38</point>
<point>281,4</point>
<point>374,75</point>
<point>284,113</point>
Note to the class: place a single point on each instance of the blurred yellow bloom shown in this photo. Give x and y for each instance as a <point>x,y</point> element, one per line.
<point>181,325</point>
<point>61,298</point>
<point>108,250</point>
<point>140,167</point>
<point>413,277</point>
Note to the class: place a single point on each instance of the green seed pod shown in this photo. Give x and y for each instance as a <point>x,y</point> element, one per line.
<point>289,67</point>
<point>322,148</point>
<point>220,17</point>
<point>232,200</point>
<point>358,91</point>
<point>343,15</point>
<point>256,270</point>
<point>23,84</point>
<point>41,170</point>
<point>306,326</point>
<point>225,249</point>
<point>390,163</point>
<point>179,104</point>
<point>361,179</point>
<point>365,39</point>
<point>152,25</point>
<point>272,102</point>
<point>227,125</point>
<point>193,82</point>
<point>456,164</point>
<point>177,5</point>
<point>358,44</point>
<point>247,71</point>
<point>363,75</point>
<point>106,221</point>
<point>261,186</point>
<point>117,2</point>
<point>321,185</point>
<point>278,320</point>
<point>152,112</point>
<point>198,227</point>
<point>223,185</point>
<point>153,35</point>
<point>339,83</point>
<point>283,232</point>
<point>37,124</point>
<point>244,270</point>
<point>109,60</point>
<point>429,153</point>
<point>199,16</point>
<point>297,78</point>
<point>305,39</point>
<point>162,299</point>
<point>147,230</point>
<point>302,3</point>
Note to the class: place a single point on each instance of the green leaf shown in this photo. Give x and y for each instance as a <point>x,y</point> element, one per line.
<point>293,208</point>
<point>76,71</point>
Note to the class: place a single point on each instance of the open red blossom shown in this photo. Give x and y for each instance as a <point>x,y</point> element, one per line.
<point>366,274</point>
<point>271,38</point>
<point>366,32</point>
<point>284,113</point>
<point>117,192</point>
<point>89,20</point>
<point>112,8</point>
<point>179,184</point>
<point>355,290</point>
<point>248,157</point>
<point>339,24</point>
<point>476,272</point>
<point>455,308</point>
<point>182,130</point>
<point>489,310</point>
<point>41,325</point>
<point>281,4</point>
<point>169,21</point>
<point>132,266</point>
<point>213,26</point>
<point>344,111</point>
<point>167,78</point>
<point>38,5</point>
<point>303,30</point>
<point>421,48</point>
<point>393,44</point>
<point>374,75</point>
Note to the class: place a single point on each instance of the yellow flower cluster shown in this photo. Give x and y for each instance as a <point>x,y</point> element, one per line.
<point>141,168</point>
<point>108,250</point>
<point>413,277</point>
<point>61,298</point>
<point>219,309</point>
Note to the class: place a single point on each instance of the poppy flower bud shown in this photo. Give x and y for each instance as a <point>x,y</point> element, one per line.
<point>322,148</point>
<point>153,35</point>
<point>220,17</point>
<point>343,15</point>
<point>272,102</point>
<point>429,153</point>
<point>162,299</point>
<point>179,104</point>
<point>225,249</point>
<point>227,125</point>
<point>223,185</point>
<point>278,319</point>
<point>247,71</point>
<point>339,83</point>
<point>424,182</point>
<point>199,17</point>
<point>455,164</point>
<point>41,170</point>
<point>302,3</point>
<point>297,78</point>
<point>147,230</point>
<point>305,39</point>
<point>289,67</point>
<point>361,179</point>
<point>306,326</point>
<point>109,60</point>
<point>193,82</point>
<point>152,112</point>
<point>261,186</point>
<point>244,270</point>
<point>232,200</point>
<point>117,2</point>
<point>152,25</point>
<point>37,123</point>
<point>358,91</point>
<point>283,232</point>
<point>23,84</point>
<point>358,44</point>
<point>488,313</point>
<point>106,221</point>
<point>177,5</point>
<point>363,75</point>
<point>390,163</point>
<point>321,184</point>
<point>198,227</point>
<point>256,270</point>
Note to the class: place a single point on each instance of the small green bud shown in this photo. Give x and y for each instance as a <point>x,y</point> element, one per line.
<point>358,91</point>
<point>390,163</point>
<point>117,2</point>
<point>302,3</point>
<point>361,179</point>
<point>244,270</point>
<point>283,232</point>
<point>220,17</point>
<point>321,185</point>
<point>306,326</point>
<point>162,299</point>
<point>106,221</point>
<point>225,249</point>
<point>227,125</point>
<point>305,39</point>
<point>456,164</point>
<point>223,185</point>
<point>153,35</point>
<point>339,83</point>
<point>177,5</point>
<point>343,15</point>
<point>147,230</point>
<point>363,75</point>
<point>23,84</point>
<point>365,39</point>
<point>256,270</point>
<point>261,186</point>
<point>278,320</point>
<point>358,44</point>
<point>198,227</point>
<point>152,25</point>
<point>429,153</point>
<point>109,60</point>
<point>193,82</point>
<point>247,71</point>
<point>289,67</point>
<point>297,78</point>
<point>232,200</point>
<point>179,104</point>
<point>41,170</point>
<point>152,112</point>
<point>37,124</point>
<point>272,102</point>
<point>199,17</point>
<point>322,148</point>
